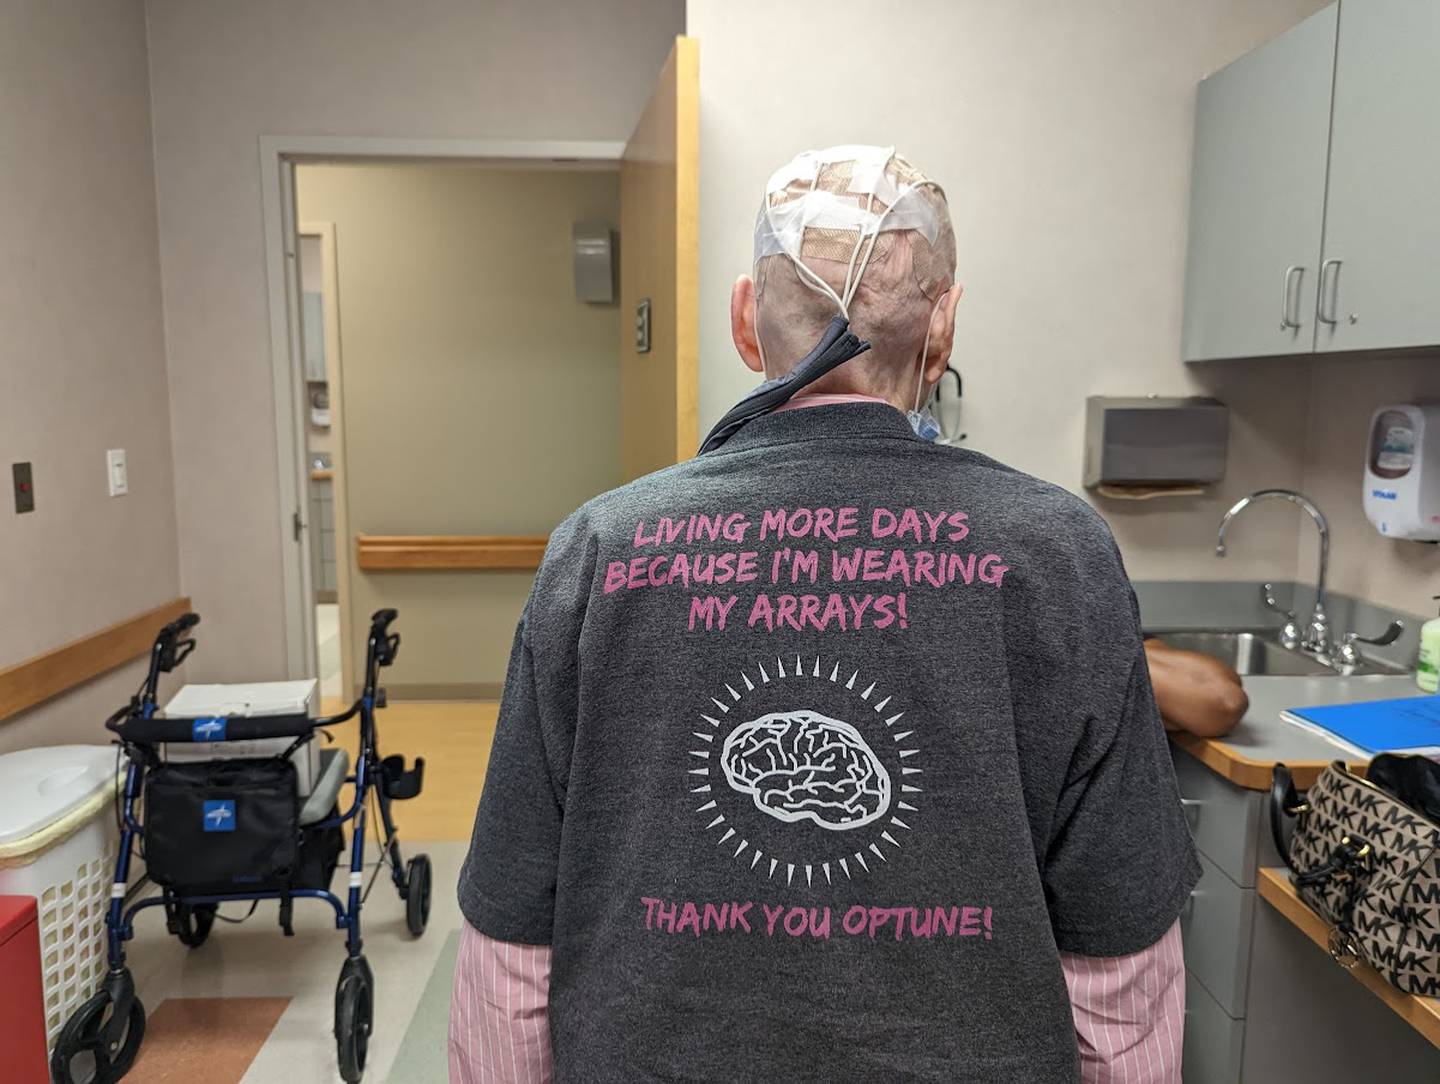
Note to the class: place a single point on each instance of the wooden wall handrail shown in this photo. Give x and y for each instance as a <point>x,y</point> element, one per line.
<point>449,552</point>
<point>36,680</point>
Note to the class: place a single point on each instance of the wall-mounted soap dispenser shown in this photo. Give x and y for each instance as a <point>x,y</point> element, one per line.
<point>1402,471</point>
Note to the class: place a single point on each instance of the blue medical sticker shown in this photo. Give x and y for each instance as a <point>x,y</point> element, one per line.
<point>220,815</point>
<point>208,729</point>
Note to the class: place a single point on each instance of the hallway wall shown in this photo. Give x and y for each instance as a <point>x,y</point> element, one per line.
<point>82,357</point>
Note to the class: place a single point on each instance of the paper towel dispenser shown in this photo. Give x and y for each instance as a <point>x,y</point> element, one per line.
<point>1154,441</point>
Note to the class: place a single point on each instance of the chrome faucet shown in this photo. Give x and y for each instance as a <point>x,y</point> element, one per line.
<point>1315,637</point>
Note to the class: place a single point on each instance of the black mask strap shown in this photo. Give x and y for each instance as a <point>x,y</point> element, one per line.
<point>837,346</point>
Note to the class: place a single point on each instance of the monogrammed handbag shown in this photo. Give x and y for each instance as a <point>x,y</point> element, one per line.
<point>1365,854</point>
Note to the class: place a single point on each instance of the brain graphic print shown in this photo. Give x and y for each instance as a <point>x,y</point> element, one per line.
<point>801,765</point>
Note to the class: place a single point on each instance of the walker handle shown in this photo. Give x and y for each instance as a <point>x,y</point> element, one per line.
<point>182,624</point>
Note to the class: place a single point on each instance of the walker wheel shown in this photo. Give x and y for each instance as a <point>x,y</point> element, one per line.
<point>81,1054</point>
<point>417,894</point>
<point>353,1015</point>
<point>357,965</point>
<point>193,924</point>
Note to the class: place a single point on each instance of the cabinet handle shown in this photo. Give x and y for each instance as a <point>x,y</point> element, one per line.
<point>1191,808</point>
<point>1334,291</point>
<point>1290,299</point>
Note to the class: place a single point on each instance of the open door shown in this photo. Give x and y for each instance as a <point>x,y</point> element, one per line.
<point>287,346</point>
<point>660,272</point>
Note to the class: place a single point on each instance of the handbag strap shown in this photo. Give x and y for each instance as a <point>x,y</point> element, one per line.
<point>1341,866</point>
<point>1285,803</point>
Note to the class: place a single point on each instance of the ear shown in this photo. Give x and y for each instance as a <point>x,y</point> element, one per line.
<point>942,334</point>
<point>742,323</point>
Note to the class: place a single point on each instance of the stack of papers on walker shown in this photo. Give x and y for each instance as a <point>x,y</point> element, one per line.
<point>250,698</point>
<point>1410,724</point>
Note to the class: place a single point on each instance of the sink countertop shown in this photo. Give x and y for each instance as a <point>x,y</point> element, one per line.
<point>1247,754</point>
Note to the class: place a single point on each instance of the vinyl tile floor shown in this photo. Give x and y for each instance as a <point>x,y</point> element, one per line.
<point>255,1007</point>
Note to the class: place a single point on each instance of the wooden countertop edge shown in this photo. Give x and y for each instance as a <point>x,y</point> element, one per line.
<point>1229,763</point>
<point>440,553</point>
<point>1421,1013</point>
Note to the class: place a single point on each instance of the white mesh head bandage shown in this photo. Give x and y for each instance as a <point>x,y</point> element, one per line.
<point>846,205</point>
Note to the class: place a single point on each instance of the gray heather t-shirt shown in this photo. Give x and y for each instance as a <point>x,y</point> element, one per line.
<point>813,752</point>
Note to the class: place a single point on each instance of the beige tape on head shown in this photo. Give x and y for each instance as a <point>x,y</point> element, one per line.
<point>848,205</point>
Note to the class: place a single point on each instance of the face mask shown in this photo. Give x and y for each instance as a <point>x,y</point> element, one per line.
<point>924,424</point>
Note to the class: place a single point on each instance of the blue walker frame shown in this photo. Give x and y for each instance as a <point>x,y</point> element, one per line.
<point>171,648</point>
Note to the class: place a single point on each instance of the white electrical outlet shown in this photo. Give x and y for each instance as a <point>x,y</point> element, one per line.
<point>117,473</point>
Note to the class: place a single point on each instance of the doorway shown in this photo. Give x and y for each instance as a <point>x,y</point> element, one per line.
<point>442,561</point>
<point>479,395</point>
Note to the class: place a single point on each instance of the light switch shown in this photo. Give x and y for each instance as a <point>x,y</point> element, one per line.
<point>117,473</point>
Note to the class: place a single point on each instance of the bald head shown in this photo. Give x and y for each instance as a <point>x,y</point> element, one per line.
<point>862,227</point>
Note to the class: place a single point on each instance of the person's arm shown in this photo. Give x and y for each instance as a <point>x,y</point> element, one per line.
<point>499,1023</point>
<point>499,1012</point>
<point>1129,1013</point>
<point>1195,692</point>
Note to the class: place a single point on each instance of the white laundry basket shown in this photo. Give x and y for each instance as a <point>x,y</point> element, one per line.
<point>57,843</point>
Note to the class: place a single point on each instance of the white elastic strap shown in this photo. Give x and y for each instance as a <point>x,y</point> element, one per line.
<point>866,263</point>
<point>819,285</point>
<point>357,879</point>
<point>920,377</point>
<point>851,287</point>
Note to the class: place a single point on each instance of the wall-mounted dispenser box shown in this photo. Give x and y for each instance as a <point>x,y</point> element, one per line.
<point>594,251</point>
<point>1154,441</point>
<point>1402,471</point>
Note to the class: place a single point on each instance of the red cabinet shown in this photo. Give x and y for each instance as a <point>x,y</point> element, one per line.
<point>22,996</point>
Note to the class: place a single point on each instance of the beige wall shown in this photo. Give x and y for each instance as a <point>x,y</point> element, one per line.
<point>480,397</point>
<point>1061,132</point>
<point>1343,394</point>
<point>223,75</point>
<point>82,358</point>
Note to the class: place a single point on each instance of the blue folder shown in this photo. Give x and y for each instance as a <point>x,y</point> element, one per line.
<point>1409,724</point>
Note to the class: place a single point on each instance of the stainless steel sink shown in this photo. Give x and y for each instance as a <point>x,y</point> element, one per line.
<point>1256,652</point>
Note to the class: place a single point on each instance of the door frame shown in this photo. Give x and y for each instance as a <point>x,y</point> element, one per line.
<point>278,157</point>
<point>335,384</point>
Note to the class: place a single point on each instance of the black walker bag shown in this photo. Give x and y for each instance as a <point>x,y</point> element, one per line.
<point>222,825</point>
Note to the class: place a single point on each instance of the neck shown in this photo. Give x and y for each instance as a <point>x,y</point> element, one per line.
<point>831,389</point>
<point>812,399</point>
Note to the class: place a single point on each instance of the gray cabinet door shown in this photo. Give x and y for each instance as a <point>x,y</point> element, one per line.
<point>1382,218</point>
<point>1257,200</point>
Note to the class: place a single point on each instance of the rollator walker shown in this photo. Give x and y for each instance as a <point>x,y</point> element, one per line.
<point>225,830</point>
